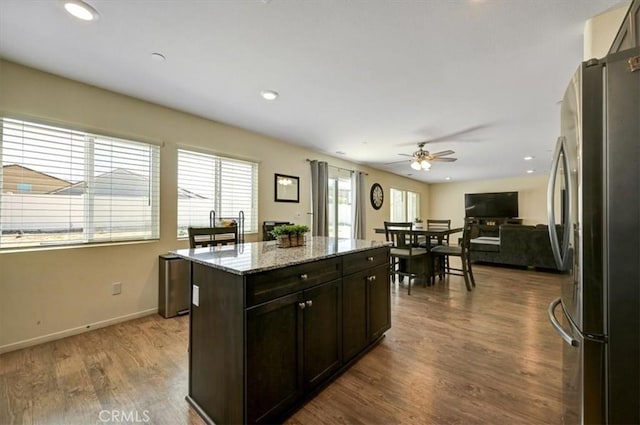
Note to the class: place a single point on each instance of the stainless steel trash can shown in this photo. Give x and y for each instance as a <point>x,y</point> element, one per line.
<point>173,291</point>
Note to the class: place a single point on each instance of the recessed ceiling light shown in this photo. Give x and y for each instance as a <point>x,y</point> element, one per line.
<point>158,57</point>
<point>530,171</point>
<point>269,94</point>
<point>447,178</point>
<point>81,10</point>
<point>528,158</point>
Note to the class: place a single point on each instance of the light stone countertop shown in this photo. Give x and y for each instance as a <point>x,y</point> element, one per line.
<point>253,257</point>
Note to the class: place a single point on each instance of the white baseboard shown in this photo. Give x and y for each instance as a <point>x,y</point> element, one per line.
<point>74,331</point>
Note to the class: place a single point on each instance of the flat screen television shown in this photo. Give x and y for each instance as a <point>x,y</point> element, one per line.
<point>498,204</point>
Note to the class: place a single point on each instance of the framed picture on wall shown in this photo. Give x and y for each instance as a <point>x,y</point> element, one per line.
<point>287,188</point>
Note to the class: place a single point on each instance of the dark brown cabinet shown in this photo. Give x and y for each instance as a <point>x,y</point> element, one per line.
<point>366,301</point>
<point>293,343</point>
<point>379,302</point>
<point>322,336</point>
<point>354,305</point>
<point>273,349</point>
<point>262,343</point>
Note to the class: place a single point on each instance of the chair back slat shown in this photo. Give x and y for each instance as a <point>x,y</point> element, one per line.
<point>209,236</point>
<point>433,224</point>
<point>466,237</point>
<point>399,234</point>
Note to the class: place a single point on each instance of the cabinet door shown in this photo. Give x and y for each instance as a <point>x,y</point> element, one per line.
<point>379,301</point>
<point>274,336</point>
<point>322,332</point>
<point>354,313</point>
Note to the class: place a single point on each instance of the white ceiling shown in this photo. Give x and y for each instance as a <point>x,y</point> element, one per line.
<point>369,79</point>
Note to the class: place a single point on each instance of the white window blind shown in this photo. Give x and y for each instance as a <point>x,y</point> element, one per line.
<point>61,186</point>
<point>212,183</point>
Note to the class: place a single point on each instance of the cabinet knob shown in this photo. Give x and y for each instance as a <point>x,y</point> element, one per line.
<point>303,276</point>
<point>301,305</point>
<point>371,278</point>
<point>309,303</point>
<point>369,258</point>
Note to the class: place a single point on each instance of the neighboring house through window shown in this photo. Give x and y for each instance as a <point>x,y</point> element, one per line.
<point>61,186</point>
<point>208,183</point>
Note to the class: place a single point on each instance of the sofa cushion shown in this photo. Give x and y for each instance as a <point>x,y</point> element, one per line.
<point>485,244</point>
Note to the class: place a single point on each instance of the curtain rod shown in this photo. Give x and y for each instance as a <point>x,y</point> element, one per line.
<point>340,168</point>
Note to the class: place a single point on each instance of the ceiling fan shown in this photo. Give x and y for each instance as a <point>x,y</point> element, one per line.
<point>421,159</point>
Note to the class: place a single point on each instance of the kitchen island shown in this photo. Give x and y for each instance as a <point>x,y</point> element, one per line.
<point>270,326</point>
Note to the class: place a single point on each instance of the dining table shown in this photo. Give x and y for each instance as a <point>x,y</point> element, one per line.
<point>439,233</point>
<point>417,234</point>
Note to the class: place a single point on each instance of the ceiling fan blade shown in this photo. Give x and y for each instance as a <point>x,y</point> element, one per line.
<point>396,162</point>
<point>445,159</point>
<point>442,153</point>
<point>405,154</point>
<point>450,136</point>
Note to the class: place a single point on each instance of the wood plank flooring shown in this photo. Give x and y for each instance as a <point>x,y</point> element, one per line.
<point>451,357</point>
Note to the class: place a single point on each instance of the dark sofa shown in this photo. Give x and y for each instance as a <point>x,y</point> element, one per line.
<point>517,245</point>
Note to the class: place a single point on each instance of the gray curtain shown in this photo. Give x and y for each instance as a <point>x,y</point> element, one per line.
<point>319,197</point>
<point>359,224</point>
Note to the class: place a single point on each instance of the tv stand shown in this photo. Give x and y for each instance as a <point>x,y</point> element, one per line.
<point>490,226</point>
<point>494,221</point>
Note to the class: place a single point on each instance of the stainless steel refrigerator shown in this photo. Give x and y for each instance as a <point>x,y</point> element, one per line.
<point>594,227</point>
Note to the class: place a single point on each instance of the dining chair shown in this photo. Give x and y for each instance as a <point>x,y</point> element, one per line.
<point>437,224</point>
<point>461,251</point>
<point>211,236</point>
<point>403,247</point>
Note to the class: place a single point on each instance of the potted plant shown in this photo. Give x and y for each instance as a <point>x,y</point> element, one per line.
<point>289,235</point>
<point>281,234</point>
<point>299,230</point>
<point>418,223</point>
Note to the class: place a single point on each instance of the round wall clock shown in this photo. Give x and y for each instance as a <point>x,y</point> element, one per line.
<point>377,196</point>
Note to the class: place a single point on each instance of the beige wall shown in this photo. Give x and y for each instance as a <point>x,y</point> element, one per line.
<point>46,294</point>
<point>600,31</point>
<point>447,199</point>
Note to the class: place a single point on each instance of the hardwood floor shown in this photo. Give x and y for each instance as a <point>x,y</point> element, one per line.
<point>451,357</point>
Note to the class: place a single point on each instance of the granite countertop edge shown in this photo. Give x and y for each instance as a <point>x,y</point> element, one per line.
<point>188,254</point>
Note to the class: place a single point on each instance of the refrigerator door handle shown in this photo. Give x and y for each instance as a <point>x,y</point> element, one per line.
<point>557,326</point>
<point>561,262</point>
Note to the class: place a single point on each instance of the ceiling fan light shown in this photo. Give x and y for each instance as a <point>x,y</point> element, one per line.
<point>81,10</point>
<point>425,165</point>
<point>415,165</point>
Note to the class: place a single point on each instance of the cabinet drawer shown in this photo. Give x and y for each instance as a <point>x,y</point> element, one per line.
<point>364,260</point>
<point>265,286</point>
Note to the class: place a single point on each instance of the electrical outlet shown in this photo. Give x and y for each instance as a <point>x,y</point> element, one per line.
<point>116,288</point>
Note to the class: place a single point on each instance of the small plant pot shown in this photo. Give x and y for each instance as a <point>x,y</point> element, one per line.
<point>300,238</point>
<point>284,240</point>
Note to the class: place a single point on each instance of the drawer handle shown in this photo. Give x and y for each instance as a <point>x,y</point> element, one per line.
<point>309,303</point>
<point>301,305</point>
<point>369,258</point>
<point>371,278</point>
<point>303,276</point>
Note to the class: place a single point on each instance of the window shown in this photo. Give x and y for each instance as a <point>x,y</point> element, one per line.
<point>61,186</point>
<point>405,205</point>
<point>212,183</point>
<point>339,211</point>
